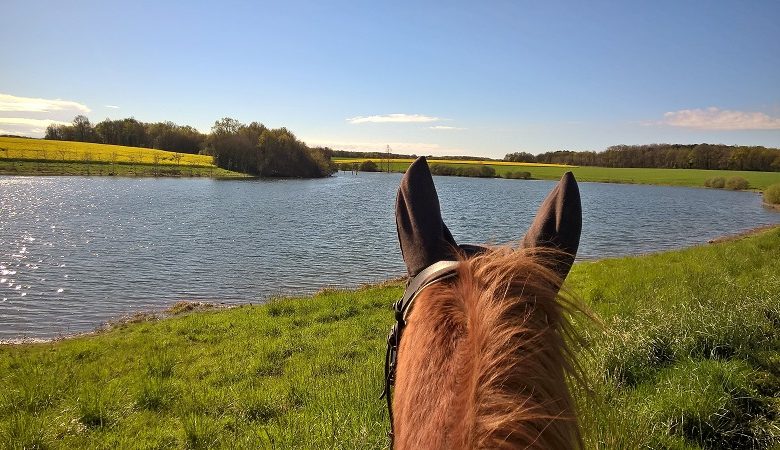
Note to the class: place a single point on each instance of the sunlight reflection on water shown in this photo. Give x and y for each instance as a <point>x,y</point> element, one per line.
<point>77,251</point>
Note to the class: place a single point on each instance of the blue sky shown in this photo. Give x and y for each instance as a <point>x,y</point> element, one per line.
<point>476,78</point>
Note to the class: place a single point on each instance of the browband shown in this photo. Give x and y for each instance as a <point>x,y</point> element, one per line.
<point>432,274</point>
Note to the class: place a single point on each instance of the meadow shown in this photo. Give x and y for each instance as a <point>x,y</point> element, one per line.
<point>408,161</point>
<point>47,157</point>
<point>685,354</point>
<point>668,177</point>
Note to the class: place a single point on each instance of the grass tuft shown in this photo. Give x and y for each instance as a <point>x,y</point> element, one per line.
<point>23,432</point>
<point>736,183</point>
<point>95,410</point>
<point>200,431</point>
<point>772,194</point>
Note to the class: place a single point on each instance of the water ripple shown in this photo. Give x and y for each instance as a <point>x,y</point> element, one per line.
<point>76,252</point>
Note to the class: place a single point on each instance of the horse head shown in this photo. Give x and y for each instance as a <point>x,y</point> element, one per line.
<point>484,358</point>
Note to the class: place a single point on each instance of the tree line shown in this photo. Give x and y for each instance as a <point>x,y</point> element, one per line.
<point>131,133</point>
<point>670,156</point>
<point>249,148</point>
<point>385,155</point>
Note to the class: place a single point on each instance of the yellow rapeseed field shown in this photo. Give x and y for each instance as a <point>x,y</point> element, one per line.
<point>46,150</point>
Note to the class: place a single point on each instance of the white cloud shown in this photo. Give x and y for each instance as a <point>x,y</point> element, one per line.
<point>721,119</point>
<point>37,105</point>
<point>26,127</point>
<point>393,118</point>
<point>112,106</point>
<point>445,127</point>
<point>30,122</point>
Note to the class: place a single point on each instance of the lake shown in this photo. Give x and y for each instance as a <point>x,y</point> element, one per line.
<point>76,252</point>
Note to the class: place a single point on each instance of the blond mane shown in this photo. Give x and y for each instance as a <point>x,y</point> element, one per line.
<point>485,359</point>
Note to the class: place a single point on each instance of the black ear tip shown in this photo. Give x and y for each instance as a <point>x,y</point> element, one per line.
<point>419,163</point>
<point>568,184</point>
<point>568,177</point>
<point>419,170</point>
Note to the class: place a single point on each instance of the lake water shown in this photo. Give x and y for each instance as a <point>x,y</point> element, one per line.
<point>76,252</point>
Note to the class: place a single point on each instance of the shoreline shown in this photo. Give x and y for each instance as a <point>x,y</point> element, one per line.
<point>306,372</point>
<point>32,168</point>
<point>742,234</point>
<point>184,307</point>
<point>775,207</point>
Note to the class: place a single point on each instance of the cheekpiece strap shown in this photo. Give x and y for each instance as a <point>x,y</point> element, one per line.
<point>432,274</point>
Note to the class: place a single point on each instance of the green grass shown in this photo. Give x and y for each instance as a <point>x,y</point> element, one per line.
<point>668,177</point>
<point>20,156</point>
<point>688,357</point>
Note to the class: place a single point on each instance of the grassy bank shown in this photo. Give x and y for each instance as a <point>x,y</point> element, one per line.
<point>689,358</point>
<point>20,156</point>
<point>669,177</point>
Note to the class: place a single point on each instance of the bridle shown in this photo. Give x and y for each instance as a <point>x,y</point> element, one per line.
<point>432,274</point>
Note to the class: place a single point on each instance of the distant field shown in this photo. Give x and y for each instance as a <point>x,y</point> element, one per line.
<point>45,157</point>
<point>669,177</point>
<point>408,161</point>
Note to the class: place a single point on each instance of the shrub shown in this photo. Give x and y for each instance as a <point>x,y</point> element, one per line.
<point>346,167</point>
<point>717,182</point>
<point>518,175</point>
<point>368,166</point>
<point>772,194</point>
<point>737,183</point>
<point>442,169</point>
<point>487,172</point>
<point>467,171</point>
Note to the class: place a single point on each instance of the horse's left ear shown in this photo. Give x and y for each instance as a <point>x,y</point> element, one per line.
<point>558,223</point>
<point>422,234</point>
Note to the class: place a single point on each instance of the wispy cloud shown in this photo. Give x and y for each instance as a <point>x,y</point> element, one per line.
<point>12,103</point>
<point>721,119</point>
<point>111,106</point>
<point>445,127</point>
<point>393,118</point>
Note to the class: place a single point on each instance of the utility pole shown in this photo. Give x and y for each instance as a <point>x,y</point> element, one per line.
<point>388,159</point>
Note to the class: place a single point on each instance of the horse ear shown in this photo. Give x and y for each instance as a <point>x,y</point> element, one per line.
<point>558,223</point>
<point>422,234</point>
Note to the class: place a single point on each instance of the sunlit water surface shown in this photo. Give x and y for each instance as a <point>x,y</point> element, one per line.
<point>76,252</point>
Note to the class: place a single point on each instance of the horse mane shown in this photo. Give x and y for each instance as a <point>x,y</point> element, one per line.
<point>485,358</point>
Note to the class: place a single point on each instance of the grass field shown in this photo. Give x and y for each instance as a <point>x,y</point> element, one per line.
<point>45,157</point>
<point>408,161</point>
<point>670,177</point>
<point>688,357</point>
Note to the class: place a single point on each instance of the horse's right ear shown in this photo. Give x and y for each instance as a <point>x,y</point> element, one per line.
<point>558,224</point>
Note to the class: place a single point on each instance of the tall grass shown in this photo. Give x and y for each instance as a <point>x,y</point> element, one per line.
<point>736,183</point>
<point>772,194</point>
<point>688,357</point>
<point>716,182</point>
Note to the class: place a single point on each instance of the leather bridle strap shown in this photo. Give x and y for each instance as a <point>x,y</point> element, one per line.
<point>432,274</point>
